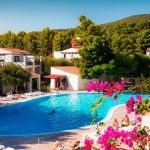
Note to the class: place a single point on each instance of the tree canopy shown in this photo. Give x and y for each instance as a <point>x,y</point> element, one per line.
<point>114,49</point>
<point>117,51</point>
<point>95,49</point>
<point>15,75</point>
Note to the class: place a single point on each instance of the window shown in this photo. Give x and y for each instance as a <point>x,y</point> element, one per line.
<point>37,70</point>
<point>16,59</point>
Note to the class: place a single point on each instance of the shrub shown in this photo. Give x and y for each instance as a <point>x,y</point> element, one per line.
<point>49,62</point>
<point>142,87</point>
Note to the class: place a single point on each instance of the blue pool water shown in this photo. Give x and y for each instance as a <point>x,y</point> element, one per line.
<point>50,114</point>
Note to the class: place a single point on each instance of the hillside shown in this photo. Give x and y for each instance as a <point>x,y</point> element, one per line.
<point>135,19</point>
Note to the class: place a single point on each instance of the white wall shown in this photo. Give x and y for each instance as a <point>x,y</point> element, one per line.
<point>29,58</point>
<point>71,56</point>
<point>2,51</point>
<point>81,83</point>
<point>58,55</point>
<point>75,82</point>
<point>8,57</point>
<point>68,56</point>
<point>148,53</point>
<point>71,78</point>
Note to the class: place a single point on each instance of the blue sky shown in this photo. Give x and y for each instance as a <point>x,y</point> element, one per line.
<point>34,15</point>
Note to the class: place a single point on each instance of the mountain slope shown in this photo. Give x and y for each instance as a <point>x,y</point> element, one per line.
<point>134,19</point>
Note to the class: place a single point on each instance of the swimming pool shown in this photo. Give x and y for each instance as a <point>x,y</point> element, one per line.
<point>51,114</point>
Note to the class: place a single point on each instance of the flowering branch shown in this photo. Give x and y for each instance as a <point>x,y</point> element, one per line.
<point>108,89</point>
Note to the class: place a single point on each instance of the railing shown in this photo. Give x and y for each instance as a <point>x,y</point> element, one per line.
<point>37,62</point>
<point>1,60</point>
<point>23,64</point>
<point>29,63</point>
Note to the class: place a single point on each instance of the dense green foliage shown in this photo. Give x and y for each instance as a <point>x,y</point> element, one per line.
<point>118,49</point>
<point>43,43</point>
<point>62,40</point>
<point>134,19</point>
<point>15,75</point>
<point>95,48</point>
<point>144,107</point>
<point>50,61</point>
<point>143,86</point>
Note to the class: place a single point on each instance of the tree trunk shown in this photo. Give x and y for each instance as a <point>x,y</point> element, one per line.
<point>15,89</point>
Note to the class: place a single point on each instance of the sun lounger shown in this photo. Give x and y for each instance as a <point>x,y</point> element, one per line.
<point>92,136</point>
<point>2,147</point>
<point>5,98</point>
<point>59,146</point>
<point>23,96</point>
<point>128,128</point>
<point>54,90</point>
<point>9,93</point>
<point>9,148</point>
<point>16,96</point>
<point>36,93</point>
<point>30,94</point>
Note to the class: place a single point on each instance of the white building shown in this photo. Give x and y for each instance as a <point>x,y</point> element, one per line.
<point>148,52</point>
<point>26,60</point>
<point>66,77</point>
<point>71,52</point>
<point>67,54</point>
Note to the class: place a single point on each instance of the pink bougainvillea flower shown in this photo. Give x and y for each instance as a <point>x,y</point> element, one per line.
<point>115,98</point>
<point>123,82</point>
<point>130,104</point>
<point>88,144</point>
<point>139,98</point>
<point>139,119</point>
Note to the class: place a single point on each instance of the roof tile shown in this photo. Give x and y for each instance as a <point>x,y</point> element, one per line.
<point>14,50</point>
<point>69,69</point>
<point>148,49</point>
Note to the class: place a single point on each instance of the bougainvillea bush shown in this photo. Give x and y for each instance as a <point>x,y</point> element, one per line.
<point>108,90</point>
<point>142,87</point>
<point>138,138</point>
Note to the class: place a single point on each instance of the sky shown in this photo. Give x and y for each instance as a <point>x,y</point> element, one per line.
<point>34,15</point>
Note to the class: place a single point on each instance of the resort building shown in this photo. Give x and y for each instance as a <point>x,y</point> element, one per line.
<point>70,53</point>
<point>27,61</point>
<point>66,77</point>
<point>148,51</point>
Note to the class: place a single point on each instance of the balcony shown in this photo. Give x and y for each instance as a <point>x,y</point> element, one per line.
<point>1,60</point>
<point>37,62</point>
<point>29,63</point>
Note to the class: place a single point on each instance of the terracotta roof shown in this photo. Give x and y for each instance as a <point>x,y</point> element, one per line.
<point>148,49</point>
<point>53,76</point>
<point>72,40</point>
<point>69,69</point>
<point>14,50</point>
<point>33,74</point>
<point>76,46</point>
